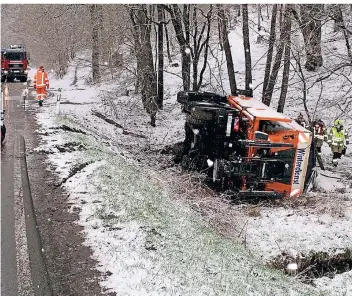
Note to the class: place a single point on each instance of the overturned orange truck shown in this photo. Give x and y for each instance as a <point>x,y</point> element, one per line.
<point>246,146</point>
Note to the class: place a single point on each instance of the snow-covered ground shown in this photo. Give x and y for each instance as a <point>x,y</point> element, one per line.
<point>155,244</point>
<point>145,241</point>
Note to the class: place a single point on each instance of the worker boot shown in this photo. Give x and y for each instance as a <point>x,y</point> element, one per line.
<point>335,159</point>
<point>319,151</point>
<point>40,103</point>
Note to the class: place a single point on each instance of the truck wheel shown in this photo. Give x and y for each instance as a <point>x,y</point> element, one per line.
<point>10,79</point>
<point>24,79</point>
<point>3,79</point>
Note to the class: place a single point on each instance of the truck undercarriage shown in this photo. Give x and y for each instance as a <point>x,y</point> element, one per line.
<point>250,155</point>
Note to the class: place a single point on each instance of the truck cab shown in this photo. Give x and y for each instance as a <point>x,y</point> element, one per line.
<point>14,64</point>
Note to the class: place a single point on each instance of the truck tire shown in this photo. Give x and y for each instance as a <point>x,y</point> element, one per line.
<point>10,79</point>
<point>23,79</point>
<point>3,79</point>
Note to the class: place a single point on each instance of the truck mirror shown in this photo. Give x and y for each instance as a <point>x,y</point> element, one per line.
<point>260,136</point>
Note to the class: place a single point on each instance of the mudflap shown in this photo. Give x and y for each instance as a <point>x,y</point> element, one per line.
<point>311,181</point>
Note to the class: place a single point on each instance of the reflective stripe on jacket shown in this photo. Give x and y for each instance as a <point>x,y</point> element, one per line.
<point>336,138</point>
<point>41,79</point>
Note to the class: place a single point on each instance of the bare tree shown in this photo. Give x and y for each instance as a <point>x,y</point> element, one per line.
<point>227,48</point>
<point>334,12</point>
<point>160,57</point>
<point>247,47</point>
<point>270,49</point>
<point>286,71</point>
<point>167,39</point>
<point>310,22</point>
<point>302,77</point>
<point>219,22</point>
<point>337,15</point>
<point>200,45</point>
<point>141,30</point>
<point>94,12</point>
<point>277,63</point>
<point>179,22</point>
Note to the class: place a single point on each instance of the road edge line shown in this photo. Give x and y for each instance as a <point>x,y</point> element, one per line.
<point>39,271</point>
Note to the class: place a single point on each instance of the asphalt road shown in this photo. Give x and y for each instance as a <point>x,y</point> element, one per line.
<point>31,201</point>
<point>9,153</point>
<point>15,267</point>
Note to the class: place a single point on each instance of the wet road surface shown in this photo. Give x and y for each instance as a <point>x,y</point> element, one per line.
<point>15,271</point>
<point>9,152</point>
<point>69,263</point>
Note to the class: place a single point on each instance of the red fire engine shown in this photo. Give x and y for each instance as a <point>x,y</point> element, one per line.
<point>14,63</point>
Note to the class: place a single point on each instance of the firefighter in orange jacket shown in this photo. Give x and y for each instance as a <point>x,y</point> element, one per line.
<point>41,83</point>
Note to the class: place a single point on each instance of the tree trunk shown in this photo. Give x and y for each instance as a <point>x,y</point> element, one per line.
<point>337,17</point>
<point>247,48</point>
<point>270,50</point>
<point>94,15</point>
<point>276,67</point>
<point>267,11</point>
<point>160,58</point>
<point>259,16</point>
<point>176,18</point>
<point>102,45</point>
<point>341,25</point>
<point>286,71</point>
<point>311,29</point>
<point>221,38</point>
<point>206,45</point>
<point>186,69</point>
<point>144,55</point>
<point>227,49</point>
<point>195,46</point>
<point>167,40</point>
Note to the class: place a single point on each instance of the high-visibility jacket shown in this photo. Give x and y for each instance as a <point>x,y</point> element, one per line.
<point>41,79</point>
<point>337,138</point>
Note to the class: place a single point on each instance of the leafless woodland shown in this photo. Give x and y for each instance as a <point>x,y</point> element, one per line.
<point>141,39</point>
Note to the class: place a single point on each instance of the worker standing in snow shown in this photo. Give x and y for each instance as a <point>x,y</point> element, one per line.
<point>320,134</point>
<point>41,83</point>
<point>338,140</point>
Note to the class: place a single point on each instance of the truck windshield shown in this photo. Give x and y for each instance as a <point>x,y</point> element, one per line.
<point>15,56</point>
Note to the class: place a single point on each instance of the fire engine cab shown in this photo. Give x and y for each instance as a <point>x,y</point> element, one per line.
<point>14,63</point>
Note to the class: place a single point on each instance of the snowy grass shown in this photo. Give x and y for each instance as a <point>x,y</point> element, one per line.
<point>154,245</point>
<point>126,211</point>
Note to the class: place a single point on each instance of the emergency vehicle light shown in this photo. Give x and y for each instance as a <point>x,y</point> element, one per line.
<point>15,46</point>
